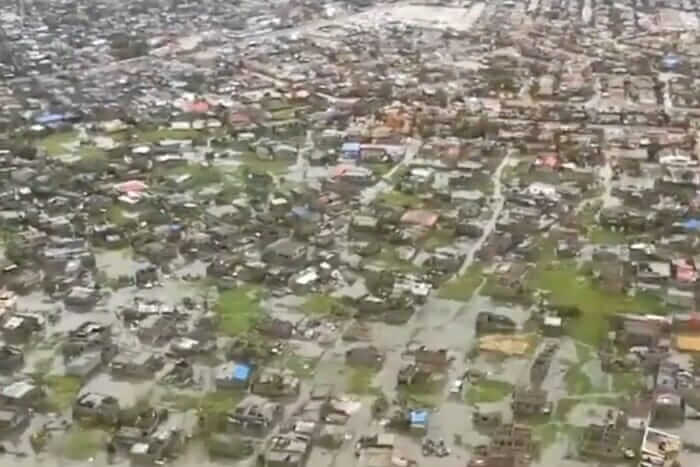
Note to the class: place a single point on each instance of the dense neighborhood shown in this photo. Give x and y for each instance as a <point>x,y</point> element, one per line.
<point>448,233</point>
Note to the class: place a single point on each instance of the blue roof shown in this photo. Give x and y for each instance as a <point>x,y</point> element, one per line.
<point>692,224</point>
<point>241,372</point>
<point>50,118</point>
<point>351,147</point>
<point>301,211</point>
<point>419,417</point>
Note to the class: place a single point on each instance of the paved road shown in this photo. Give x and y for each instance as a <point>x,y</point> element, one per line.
<point>386,183</point>
<point>499,201</point>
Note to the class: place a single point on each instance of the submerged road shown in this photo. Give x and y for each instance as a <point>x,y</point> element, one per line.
<point>499,201</point>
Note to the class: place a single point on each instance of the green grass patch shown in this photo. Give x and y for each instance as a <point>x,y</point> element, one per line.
<point>601,236</point>
<point>380,169</point>
<point>547,434</point>
<point>564,408</point>
<point>569,287</point>
<point>577,381</point>
<point>389,257</point>
<point>209,403</point>
<point>627,383</point>
<point>488,390</point>
<point>400,199</point>
<point>462,287</point>
<point>155,136</point>
<point>426,394</point>
<point>275,166</point>
<point>81,444</point>
<point>302,368</point>
<point>439,238</point>
<point>359,381</point>
<point>239,310</point>
<point>323,304</point>
<point>62,391</point>
<point>115,215</point>
<point>54,144</point>
<point>283,114</point>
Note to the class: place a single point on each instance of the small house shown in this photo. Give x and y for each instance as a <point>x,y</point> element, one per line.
<point>367,356</point>
<point>92,406</point>
<point>272,382</point>
<point>135,364</point>
<point>21,394</point>
<point>233,376</point>
<point>255,415</point>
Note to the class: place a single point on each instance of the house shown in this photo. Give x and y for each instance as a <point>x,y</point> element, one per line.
<point>272,382</point>
<point>368,356</point>
<point>11,357</point>
<point>154,328</point>
<point>659,448</point>
<point>285,252</point>
<point>604,441</point>
<point>13,419</point>
<point>187,346</point>
<point>158,447</point>
<point>287,450</point>
<point>669,407</point>
<point>432,360</point>
<point>21,394</point>
<point>135,364</point>
<point>92,406</point>
<point>135,425</point>
<point>276,328</point>
<point>487,322</point>
<point>85,364</point>
<point>88,336</point>
<point>529,402</point>
<point>418,421</point>
<point>233,376</point>
<point>21,326</point>
<point>255,415</point>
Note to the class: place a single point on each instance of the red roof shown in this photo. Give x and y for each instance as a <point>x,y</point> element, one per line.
<point>420,217</point>
<point>131,186</point>
<point>199,106</point>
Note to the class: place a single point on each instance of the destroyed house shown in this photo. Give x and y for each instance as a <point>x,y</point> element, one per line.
<point>21,394</point>
<point>289,450</point>
<point>255,415</point>
<point>272,382</point>
<point>96,407</point>
<point>435,360</point>
<point>604,441</point>
<point>530,402</point>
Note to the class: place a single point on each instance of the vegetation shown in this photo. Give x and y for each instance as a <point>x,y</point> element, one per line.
<point>577,381</point>
<point>54,144</point>
<point>627,383</point>
<point>489,390</point>
<point>81,444</point>
<point>569,288</point>
<point>301,367</point>
<point>62,391</point>
<point>601,236</point>
<point>462,287</point>
<point>426,394</point>
<point>323,304</point>
<point>239,310</point>
<point>275,166</point>
<point>439,238</point>
<point>400,199</point>
<point>359,381</point>
<point>390,258</point>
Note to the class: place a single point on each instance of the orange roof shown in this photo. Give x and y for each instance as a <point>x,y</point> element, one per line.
<point>420,217</point>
